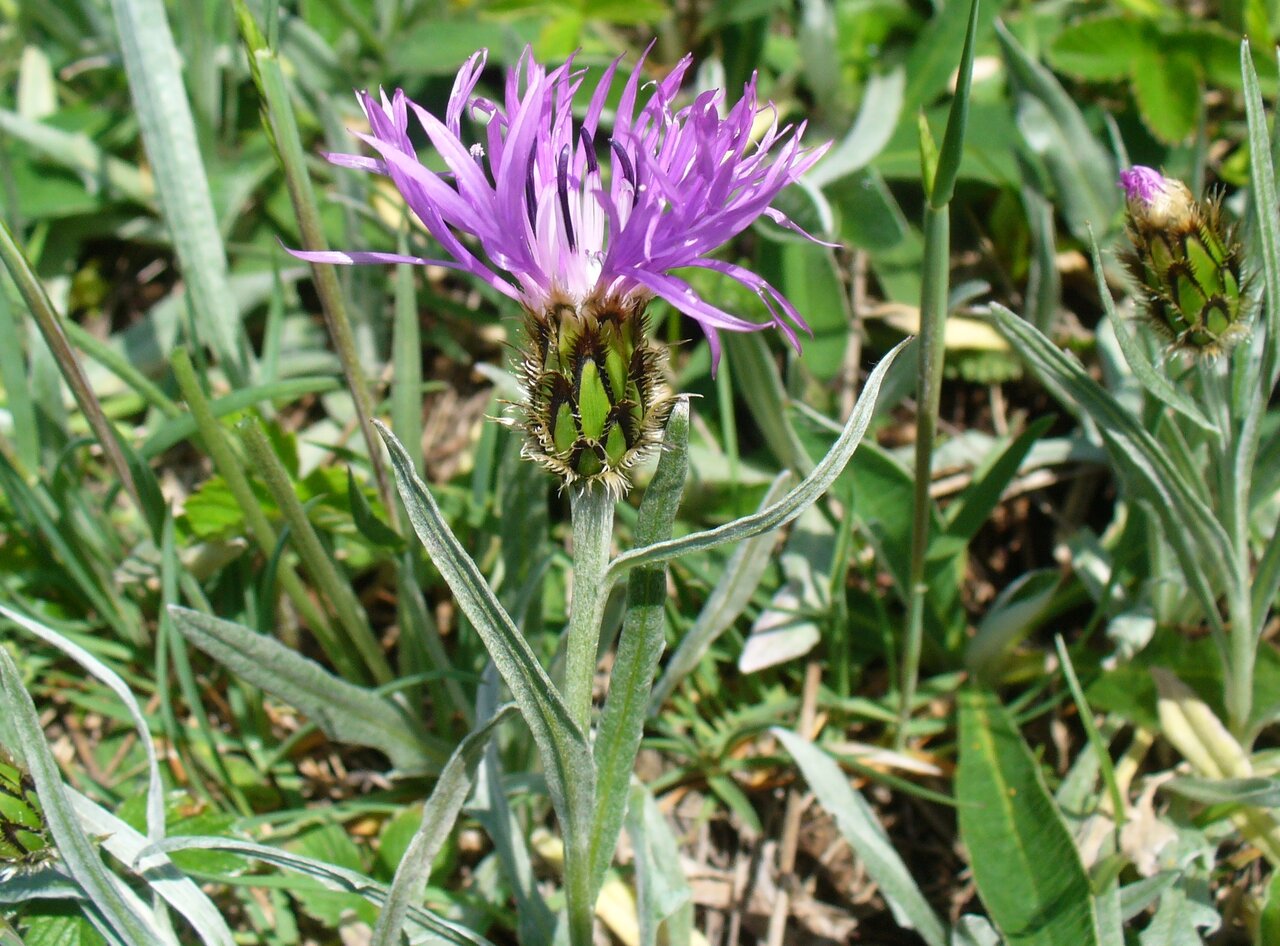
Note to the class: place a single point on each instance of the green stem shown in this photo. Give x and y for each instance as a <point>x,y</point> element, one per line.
<point>933,313</point>
<point>592,509</point>
<point>278,110</point>
<point>51,327</point>
<point>229,467</point>
<point>325,576</point>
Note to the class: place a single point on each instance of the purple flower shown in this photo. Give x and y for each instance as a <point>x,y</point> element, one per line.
<point>549,210</point>
<point>1142,183</point>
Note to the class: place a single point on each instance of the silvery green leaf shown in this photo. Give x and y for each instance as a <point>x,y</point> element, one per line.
<point>1188,523</point>
<point>155,788</point>
<point>809,491</point>
<point>563,747</point>
<point>154,70</point>
<point>871,131</point>
<point>330,876</point>
<point>438,816</point>
<point>343,711</point>
<point>973,930</point>
<point>728,599</point>
<point>119,911</point>
<point>664,895</point>
<point>122,842</point>
<point>858,824</point>
<point>639,646</point>
<point>788,628</point>
<point>1011,617</point>
<point>1082,171</point>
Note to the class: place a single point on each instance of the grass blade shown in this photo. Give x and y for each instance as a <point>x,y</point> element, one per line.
<point>154,70</point>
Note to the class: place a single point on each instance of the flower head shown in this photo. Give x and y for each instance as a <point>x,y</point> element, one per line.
<point>1188,261</point>
<point>583,227</point>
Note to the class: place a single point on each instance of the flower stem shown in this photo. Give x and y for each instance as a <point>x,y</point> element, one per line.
<point>1233,491</point>
<point>592,509</point>
<point>933,312</point>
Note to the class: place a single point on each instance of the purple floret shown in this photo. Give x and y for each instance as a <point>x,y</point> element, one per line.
<point>546,209</point>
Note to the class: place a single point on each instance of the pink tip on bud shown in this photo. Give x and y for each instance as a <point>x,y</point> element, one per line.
<point>1142,183</point>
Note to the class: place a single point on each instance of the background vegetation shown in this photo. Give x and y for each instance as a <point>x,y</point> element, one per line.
<point>1088,755</point>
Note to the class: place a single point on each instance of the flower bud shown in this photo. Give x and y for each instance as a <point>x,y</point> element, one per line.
<point>596,400</point>
<point>1188,262</point>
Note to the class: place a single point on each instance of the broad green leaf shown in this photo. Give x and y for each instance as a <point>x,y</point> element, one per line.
<point>1024,861</point>
<point>1269,921</point>
<point>859,826</point>
<point>1100,48</point>
<point>1167,87</point>
<point>343,711</point>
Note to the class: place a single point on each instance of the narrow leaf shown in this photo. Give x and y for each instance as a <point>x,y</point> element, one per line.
<point>639,648</point>
<point>154,70</point>
<point>561,744</point>
<point>438,816</point>
<point>343,711</point>
<point>119,909</point>
<point>859,826</point>
<point>804,495</point>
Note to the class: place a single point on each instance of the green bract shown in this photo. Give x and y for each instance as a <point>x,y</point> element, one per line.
<point>24,836</point>
<point>1188,262</point>
<point>596,397</point>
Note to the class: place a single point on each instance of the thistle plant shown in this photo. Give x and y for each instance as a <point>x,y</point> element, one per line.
<point>583,227</point>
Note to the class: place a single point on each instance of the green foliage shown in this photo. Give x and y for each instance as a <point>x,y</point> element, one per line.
<point>255,681</point>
